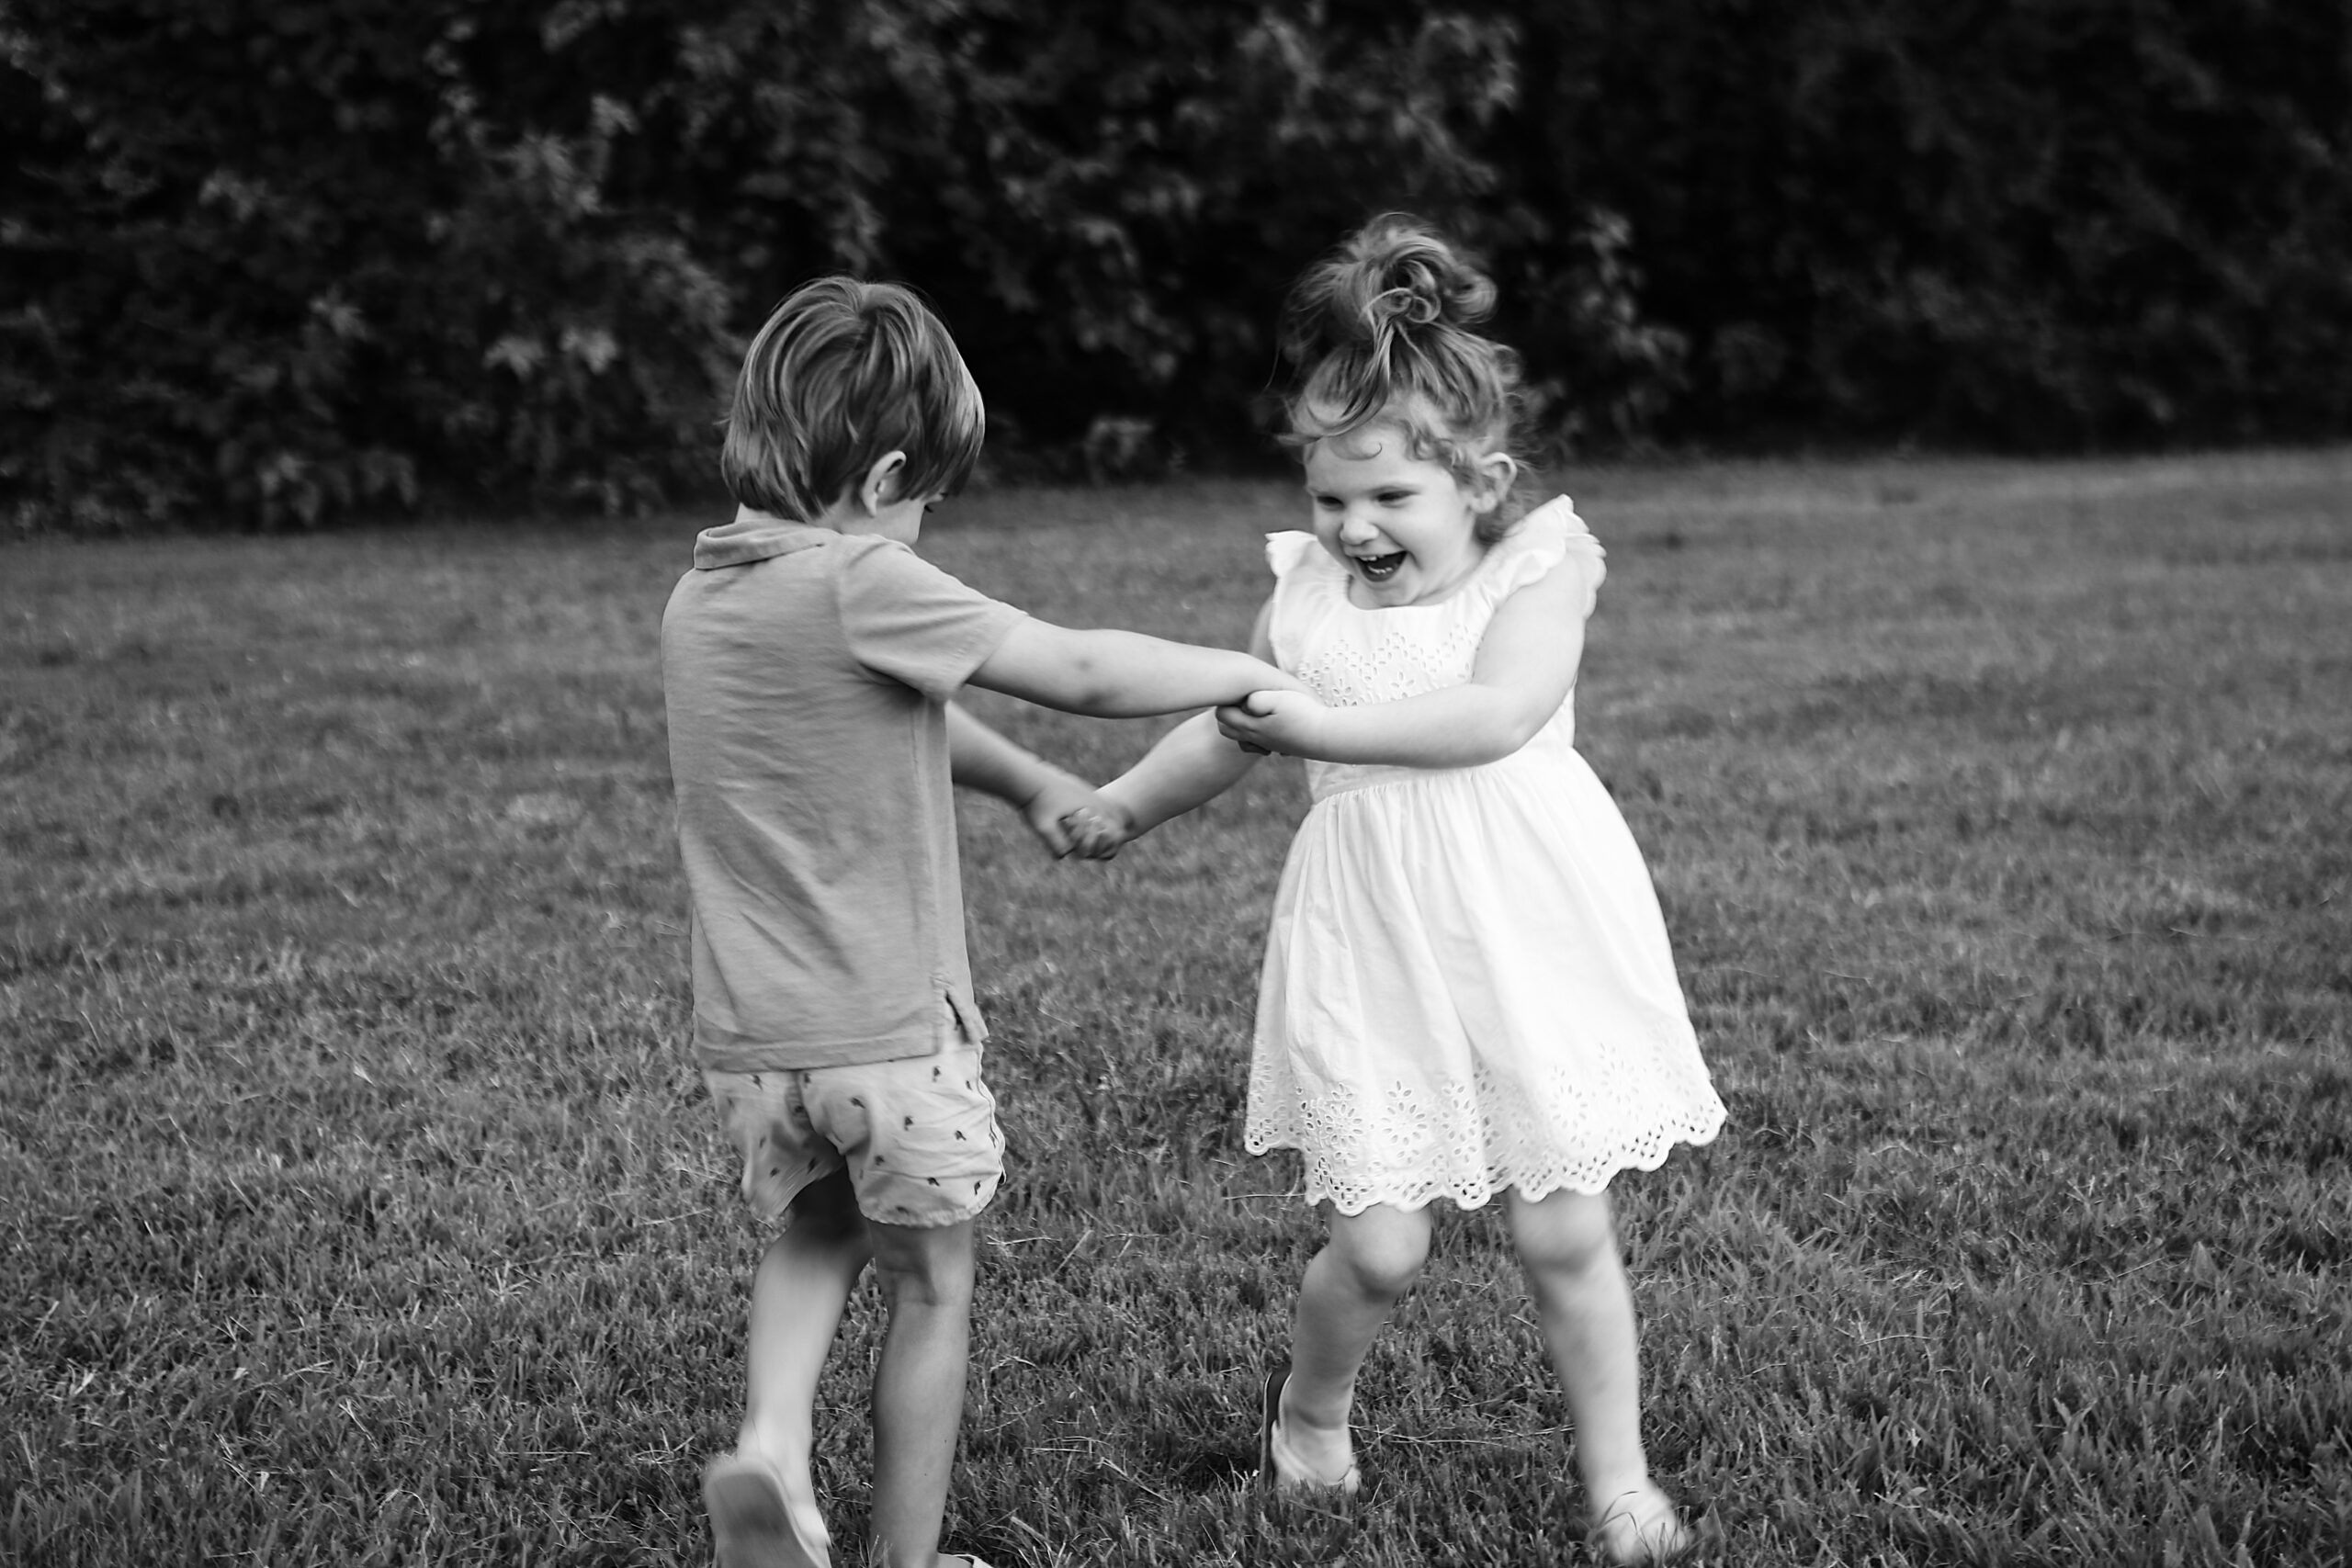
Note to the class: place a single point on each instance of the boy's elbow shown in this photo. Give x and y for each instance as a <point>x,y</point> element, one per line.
<point>1067,670</point>
<point>1091,689</point>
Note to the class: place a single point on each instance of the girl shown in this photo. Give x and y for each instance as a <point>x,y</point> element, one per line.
<point>1468,988</point>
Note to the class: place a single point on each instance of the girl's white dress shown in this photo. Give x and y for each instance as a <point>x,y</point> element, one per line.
<point>1467,984</point>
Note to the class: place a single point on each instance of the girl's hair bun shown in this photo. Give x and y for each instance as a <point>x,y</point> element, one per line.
<point>1392,277</point>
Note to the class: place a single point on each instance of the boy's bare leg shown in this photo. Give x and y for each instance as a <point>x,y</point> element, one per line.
<point>804,1280</point>
<point>926,1275</point>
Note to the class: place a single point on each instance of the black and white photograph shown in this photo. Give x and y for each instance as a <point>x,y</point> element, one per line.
<point>1251,784</point>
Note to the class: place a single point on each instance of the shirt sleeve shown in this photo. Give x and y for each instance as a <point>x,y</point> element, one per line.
<point>904,618</point>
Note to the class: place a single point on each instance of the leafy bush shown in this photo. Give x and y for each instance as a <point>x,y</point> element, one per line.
<point>273,260</point>
<point>2031,227</point>
<point>284,260</point>
<point>1106,202</point>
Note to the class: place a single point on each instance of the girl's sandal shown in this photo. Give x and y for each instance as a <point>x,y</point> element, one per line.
<point>1645,1530</point>
<point>1277,1465</point>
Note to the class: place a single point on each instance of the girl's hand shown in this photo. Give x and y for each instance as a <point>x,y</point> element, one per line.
<point>1271,721</point>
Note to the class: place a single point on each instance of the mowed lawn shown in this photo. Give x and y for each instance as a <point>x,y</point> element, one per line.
<point>358,1203</point>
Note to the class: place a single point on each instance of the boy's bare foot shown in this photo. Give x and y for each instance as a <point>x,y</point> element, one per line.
<point>754,1519</point>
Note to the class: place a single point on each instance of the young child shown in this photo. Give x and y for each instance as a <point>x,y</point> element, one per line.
<point>808,664</point>
<point>1468,986</point>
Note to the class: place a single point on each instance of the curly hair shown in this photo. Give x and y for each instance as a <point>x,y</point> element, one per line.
<point>1380,332</point>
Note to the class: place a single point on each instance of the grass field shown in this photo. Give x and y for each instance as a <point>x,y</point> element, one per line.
<point>359,1204</point>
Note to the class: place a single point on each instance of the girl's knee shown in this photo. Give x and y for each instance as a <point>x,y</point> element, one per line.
<point>1382,1249</point>
<point>1565,1232</point>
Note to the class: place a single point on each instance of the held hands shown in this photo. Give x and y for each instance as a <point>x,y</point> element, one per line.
<point>1271,721</point>
<point>1182,771</point>
<point>1069,816</point>
<point>1097,830</point>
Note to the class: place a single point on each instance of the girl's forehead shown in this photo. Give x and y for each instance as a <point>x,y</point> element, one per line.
<point>1382,447</point>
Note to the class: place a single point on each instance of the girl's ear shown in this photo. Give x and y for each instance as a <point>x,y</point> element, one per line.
<point>879,487</point>
<point>1497,471</point>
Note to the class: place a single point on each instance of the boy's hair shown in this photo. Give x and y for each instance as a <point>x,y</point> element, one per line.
<point>1381,330</point>
<point>843,373</point>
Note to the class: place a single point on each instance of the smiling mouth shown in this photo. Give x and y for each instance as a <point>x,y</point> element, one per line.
<point>1380,569</point>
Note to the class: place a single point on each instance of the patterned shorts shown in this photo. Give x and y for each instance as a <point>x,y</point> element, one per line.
<point>918,1136</point>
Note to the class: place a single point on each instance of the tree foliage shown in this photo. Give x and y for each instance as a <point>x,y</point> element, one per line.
<point>2069,223</point>
<point>267,261</point>
<point>271,260</point>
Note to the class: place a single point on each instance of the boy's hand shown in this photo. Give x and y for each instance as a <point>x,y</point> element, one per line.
<point>1062,799</point>
<point>1096,832</point>
<point>1271,721</point>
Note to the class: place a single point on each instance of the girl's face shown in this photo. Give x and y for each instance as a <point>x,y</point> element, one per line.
<point>1400,524</point>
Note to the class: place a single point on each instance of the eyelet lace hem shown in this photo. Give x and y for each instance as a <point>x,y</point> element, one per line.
<point>1469,1140</point>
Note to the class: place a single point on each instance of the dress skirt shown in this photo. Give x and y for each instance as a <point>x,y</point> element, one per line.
<point>1468,988</point>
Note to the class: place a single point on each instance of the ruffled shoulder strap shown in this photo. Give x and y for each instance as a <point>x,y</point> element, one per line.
<point>1285,551</point>
<point>1545,538</point>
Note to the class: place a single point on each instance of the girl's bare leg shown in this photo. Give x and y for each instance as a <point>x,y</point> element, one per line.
<point>1351,1287</point>
<point>1567,1245</point>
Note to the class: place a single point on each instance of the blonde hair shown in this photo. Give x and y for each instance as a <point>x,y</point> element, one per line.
<point>842,374</point>
<point>1380,332</point>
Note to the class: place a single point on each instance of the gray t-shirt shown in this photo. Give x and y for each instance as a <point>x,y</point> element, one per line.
<point>806,674</point>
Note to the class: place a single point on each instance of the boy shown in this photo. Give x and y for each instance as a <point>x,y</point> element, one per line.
<point>808,664</point>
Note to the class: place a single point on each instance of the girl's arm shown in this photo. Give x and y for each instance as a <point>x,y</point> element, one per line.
<point>1526,663</point>
<point>1192,763</point>
<point>978,758</point>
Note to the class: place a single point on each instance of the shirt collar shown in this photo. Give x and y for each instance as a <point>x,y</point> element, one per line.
<point>754,536</point>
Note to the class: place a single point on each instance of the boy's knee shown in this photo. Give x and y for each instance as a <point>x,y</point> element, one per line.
<point>930,1266</point>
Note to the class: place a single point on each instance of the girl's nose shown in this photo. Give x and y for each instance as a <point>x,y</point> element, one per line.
<point>1355,528</point>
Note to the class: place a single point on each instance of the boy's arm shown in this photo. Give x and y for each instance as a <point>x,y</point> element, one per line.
<point>1117,674</point>
<point>1526,663</point>
<point>978,758</point>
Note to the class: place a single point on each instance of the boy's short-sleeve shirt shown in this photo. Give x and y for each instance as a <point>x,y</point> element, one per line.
<point>805,676</point>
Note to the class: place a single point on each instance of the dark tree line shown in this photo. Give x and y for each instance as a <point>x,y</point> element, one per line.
<point>267,261</point>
